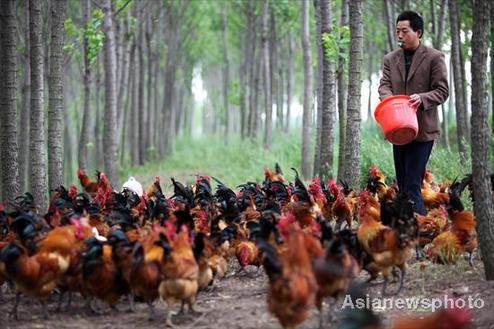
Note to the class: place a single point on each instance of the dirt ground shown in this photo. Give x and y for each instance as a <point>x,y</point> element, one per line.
<point>239,301</point>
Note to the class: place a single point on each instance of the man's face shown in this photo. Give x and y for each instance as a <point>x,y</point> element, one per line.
<point>406,35</point>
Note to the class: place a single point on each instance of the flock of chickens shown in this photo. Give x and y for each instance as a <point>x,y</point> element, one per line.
<point>311,241</point>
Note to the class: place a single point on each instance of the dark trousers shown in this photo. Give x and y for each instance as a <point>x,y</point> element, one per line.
<point>410,162</point>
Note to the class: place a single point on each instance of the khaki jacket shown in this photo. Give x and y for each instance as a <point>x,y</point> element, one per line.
<point>427,77</point>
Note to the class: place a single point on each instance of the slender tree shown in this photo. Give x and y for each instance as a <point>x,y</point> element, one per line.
<point>110,120</point>
<point>341,74</point>
<point>461,111</point>
<point>483,205</point>
<point>268,129</point>
<point>226,73</point>
<point>8,89</point>
<point>55,100</point>
<point>141,108</point>
<point>390,24</point>
<point>319,91</point>
<point>85,129</point>
<point>328,99</point>
<point>289,81</point>
<point>26,108</point>
<point>352,147</point>
<point>492,64</point>
<point>37,145</point>
<point>307,116</point>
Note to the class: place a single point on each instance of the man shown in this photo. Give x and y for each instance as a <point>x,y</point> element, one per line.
<point>420,72</point>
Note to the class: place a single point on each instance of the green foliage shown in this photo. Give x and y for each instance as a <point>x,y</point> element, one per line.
<point>92,33</point>
<point>336,44</point>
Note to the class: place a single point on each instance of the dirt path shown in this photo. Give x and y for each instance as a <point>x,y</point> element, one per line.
<point>239,301</point>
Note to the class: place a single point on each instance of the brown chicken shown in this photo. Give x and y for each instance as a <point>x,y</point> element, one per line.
<point>201,255</point>
<point>292,285</point>
<point>333,273</point>
<point>343,208</point>
<point>383,243</point>
<point>181,274</point>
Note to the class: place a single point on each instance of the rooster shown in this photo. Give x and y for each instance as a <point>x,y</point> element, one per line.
<point>387,246</point>
<point>181,274</point>
<point>461,236</point>
<point>292,284</point>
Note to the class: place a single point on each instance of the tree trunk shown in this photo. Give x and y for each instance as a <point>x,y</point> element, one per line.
<point>289,81</point>
<point>8,89</point>
<point>110,142</point>
<point>352,149</point>
<point>274,65</point>
<point>25,112</point>
<point>307,116</point>
<point>142,110</point>
<point>252,66</point>
<point>328,99</point>
<point>97,126</point>
<point>133,123</point>
<point>55,101</point>
<point>492,64</point>
<point>226,74</point>
<point>257,86</point>
<point>268,130</point>
<point>483,205</point>
<point>390,24</point>
<point>439,33</point>
<point>151,117</point>
<point>319,92</point>
<point>37,135</point>
<point>461,111</point>
<point>342,92</point>
<point>123,89</point>
<point>85,129</point>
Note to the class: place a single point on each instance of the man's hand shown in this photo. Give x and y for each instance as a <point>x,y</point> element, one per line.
<point>415,101</point>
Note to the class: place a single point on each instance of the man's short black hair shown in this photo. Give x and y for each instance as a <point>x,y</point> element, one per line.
<point>416,21</point>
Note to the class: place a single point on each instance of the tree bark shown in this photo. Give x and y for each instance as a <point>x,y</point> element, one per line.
<point>8,89</point>
<point>492,64</point>
<point>55,100</point>
<point>289,81</point>
<point>328,100</point>
<point>98,118</point>
<point>483,205</point>
<point>252,67</point>
<point>142,110</point>
<point>37,134</point>
<point>352,148</point>
<point>226,74</point>
<point>25,112</point>
<point>342,92</point>
<point>149,102</point>
<point>85,129</point>
<point>274,69</point>
<point>110,142</point>
<point>307,116</point>
<point>133,123</point>
<point>390,25</point>
<point>268,107</point>
<point>319,92</point>
<point>123,87</point>
<point>461,111</point>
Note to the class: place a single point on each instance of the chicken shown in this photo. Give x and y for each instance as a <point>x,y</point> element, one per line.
<point>143,270</point>
<point>432,224</point>
<point>277,176</point>
<point>181,274</point>
<point>343,208</point>
<point>454,318</point>
<point>292,285</point>
<point>247,254</point>
<point>333,273</point>
<point>362,317</point>
<point>460,237</point>
<point>91,187</point>
<point>387,246</point>
<point>32,275</point>
<point>38,274</point>
<point>101,275</point>
<point>200,254</point>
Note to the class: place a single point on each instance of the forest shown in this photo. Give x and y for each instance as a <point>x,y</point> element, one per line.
<point>236,139</point>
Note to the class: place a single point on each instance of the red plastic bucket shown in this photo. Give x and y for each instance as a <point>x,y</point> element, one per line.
<point>398,120</point>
